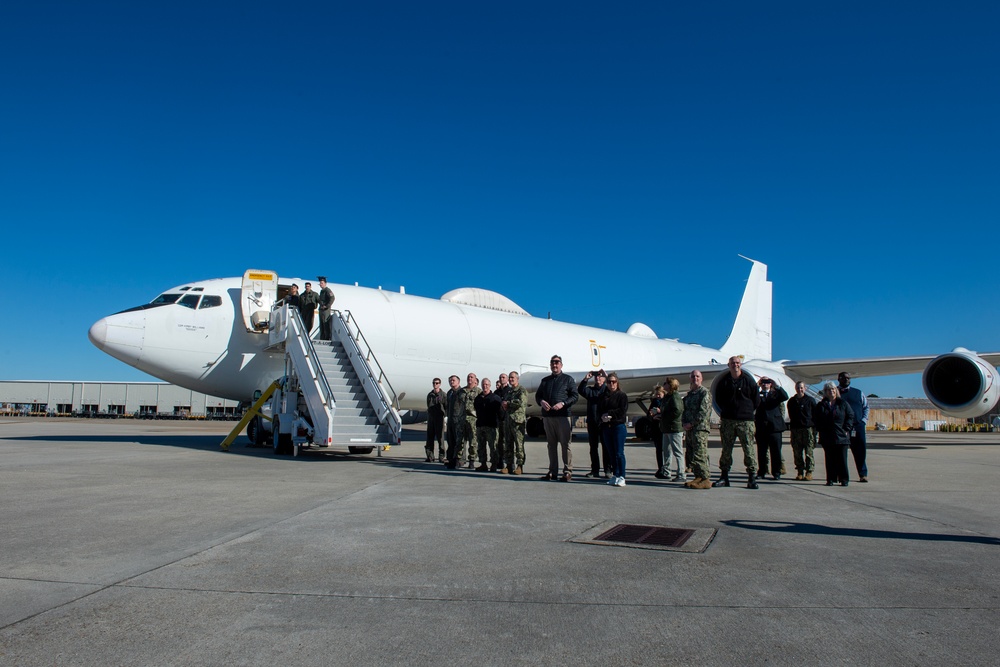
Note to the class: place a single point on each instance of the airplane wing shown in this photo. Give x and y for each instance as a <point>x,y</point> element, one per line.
<point>638,383</point>
<point>812,372</point>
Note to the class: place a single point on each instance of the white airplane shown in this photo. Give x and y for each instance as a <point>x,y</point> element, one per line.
<point>211,336</point>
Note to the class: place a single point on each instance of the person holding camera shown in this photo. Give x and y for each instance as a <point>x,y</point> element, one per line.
<point>672,432</point>
<point>770,422</point>
<point>592,394</point>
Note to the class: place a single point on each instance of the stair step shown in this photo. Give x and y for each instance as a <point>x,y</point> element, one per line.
<point>354,421</point>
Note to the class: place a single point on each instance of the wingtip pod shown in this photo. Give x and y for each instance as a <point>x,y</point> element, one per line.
<point>961,384</point>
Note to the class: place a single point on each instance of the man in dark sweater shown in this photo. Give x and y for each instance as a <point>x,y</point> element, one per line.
<point>737,397</point>
<point>556,394</point>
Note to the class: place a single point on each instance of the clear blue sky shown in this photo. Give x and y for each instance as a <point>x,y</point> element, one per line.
<point>603,162</point>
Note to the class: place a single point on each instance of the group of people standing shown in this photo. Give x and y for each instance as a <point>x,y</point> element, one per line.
<point>483,423</point>
<point>684,424</point>
<point>488,425</point>
<point>750,411</point>
<point>308,302</point>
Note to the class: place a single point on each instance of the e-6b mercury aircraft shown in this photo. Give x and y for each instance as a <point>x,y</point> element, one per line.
<point>233,338</point>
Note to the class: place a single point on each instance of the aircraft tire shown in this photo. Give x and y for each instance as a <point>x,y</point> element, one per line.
<point>361,450</point>
<point>253,432</point>
<point>534,428</point>
<point>644,428</point>
<point>282,441</point>
<point>257,435</point>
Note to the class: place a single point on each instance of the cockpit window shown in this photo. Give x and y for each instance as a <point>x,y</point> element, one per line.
<point>164,299</point>
<point>210,301</point>
<point>189,301</point>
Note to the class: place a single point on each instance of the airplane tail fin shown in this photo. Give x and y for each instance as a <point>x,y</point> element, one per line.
<point>751,334</point>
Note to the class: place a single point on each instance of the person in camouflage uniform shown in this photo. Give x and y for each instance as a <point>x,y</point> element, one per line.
<point>800,414</point>
<point>696,423</point>
<point>455,411</point>
<point>472,390</point>
<point>737,396</point>
<point>501,389</point>
<point>515,408</point>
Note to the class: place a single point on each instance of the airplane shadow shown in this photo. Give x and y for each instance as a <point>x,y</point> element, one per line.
<point>205,443</point>
<point>818,529</point>
<point>892,447</point>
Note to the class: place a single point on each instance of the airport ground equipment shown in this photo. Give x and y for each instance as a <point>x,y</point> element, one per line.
<point>253,413</point>
<point>333,393</point>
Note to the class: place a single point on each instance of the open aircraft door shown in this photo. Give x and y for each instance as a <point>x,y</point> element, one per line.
<point>260,291</point>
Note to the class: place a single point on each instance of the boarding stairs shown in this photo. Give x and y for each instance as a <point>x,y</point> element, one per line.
<point>339,383</point>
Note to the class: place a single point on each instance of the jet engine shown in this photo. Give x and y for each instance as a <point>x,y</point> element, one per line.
<point>961,384</point>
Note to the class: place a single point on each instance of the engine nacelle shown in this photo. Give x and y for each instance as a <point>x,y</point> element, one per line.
<point>961,384</point>
<point>757,370</point>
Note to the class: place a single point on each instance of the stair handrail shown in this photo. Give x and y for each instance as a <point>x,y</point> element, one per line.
<point>388,410</point>
<point>300,348</point>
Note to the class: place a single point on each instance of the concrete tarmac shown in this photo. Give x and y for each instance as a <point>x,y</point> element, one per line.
<point>140,543</point>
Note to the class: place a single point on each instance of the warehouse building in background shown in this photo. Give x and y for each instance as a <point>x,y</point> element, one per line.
<point>149,400</point>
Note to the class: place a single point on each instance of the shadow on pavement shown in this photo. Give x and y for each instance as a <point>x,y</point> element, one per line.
<point>817,529</point>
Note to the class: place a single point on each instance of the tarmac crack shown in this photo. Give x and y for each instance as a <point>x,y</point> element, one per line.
<point>634,605</point>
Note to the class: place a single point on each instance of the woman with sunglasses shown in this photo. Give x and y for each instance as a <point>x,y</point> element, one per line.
<point>613,409</point>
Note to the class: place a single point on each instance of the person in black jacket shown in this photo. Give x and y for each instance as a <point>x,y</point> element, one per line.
<point>437,405</point>
<point>592,396</point>
<point>555,396</point>
<point>800,418</point>
<point>292,298</point>
<point>770,424</point>
<point>834,420</point>
<point>737,397</point>
<point>613,409</point>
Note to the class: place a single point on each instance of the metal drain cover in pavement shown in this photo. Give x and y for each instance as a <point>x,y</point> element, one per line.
<point>648,537</point>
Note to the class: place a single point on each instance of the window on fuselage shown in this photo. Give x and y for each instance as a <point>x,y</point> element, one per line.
<point>164,299</point>
<point>189,301</point>
<point>210,301</point>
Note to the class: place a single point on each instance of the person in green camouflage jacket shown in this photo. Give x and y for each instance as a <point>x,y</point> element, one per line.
<point>472,390</point>
<point>515,407</point>
<point>696,422</point>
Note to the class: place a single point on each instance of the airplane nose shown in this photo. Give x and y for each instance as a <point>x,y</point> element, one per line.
<point>98,333</point>
<point>120,336</point>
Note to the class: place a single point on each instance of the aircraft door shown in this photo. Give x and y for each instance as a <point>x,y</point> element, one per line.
<point>259,292</point>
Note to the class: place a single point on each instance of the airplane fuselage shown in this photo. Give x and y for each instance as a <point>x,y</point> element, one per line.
<point>212,336</point>
<point>415,339</point>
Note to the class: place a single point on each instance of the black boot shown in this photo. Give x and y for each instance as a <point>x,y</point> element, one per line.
<point>752,482</point>
<point>723,479</point>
